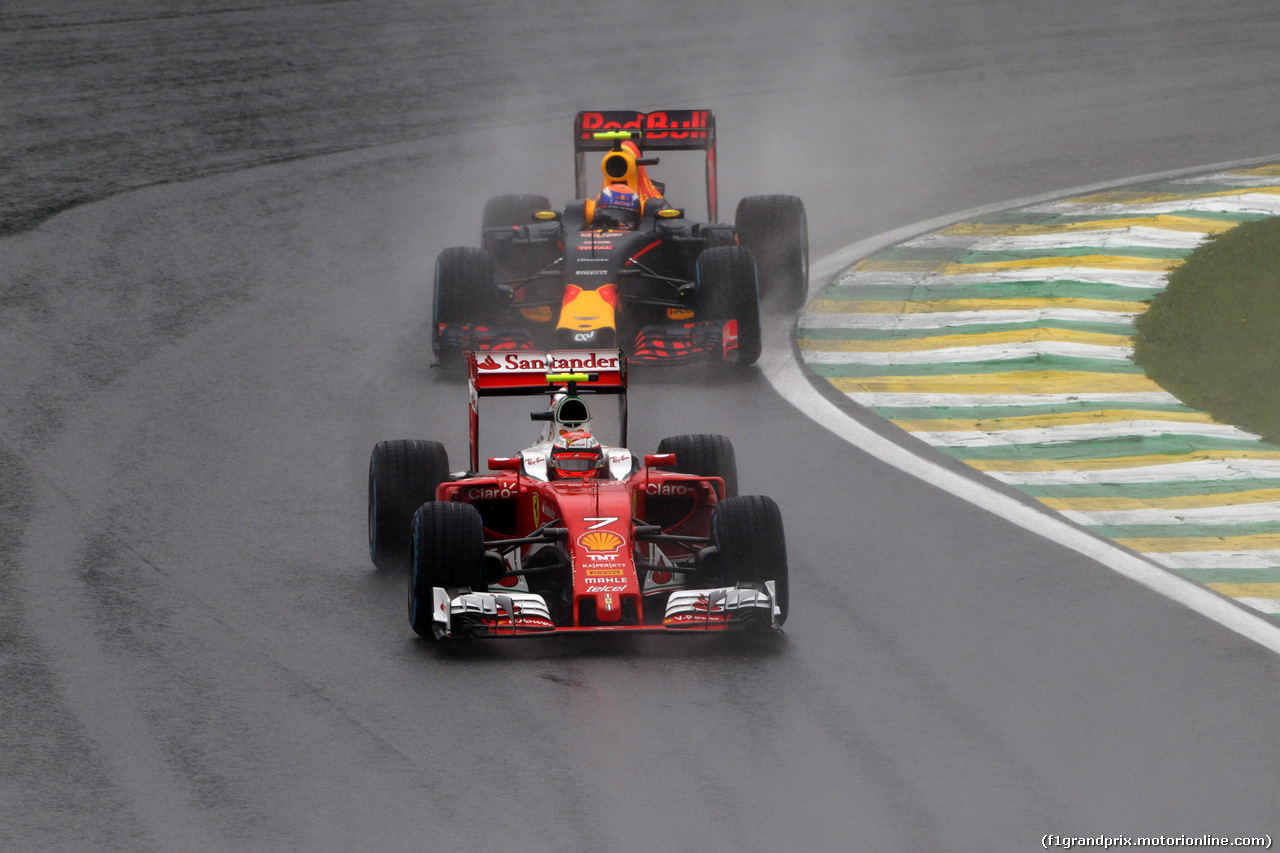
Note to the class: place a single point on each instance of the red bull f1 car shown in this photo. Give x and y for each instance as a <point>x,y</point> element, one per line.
<point>570,535</point>
<point>624,268</point>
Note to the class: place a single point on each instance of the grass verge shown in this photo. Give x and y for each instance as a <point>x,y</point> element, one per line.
<point>1212,338</point>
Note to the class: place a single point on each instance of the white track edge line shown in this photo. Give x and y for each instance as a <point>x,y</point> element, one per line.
<point>785,374</point>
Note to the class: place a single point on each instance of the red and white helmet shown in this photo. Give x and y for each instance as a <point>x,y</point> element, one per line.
<point>576,453</point>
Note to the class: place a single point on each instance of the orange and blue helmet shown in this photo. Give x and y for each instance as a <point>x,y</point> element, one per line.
<point>576,453</point>
<point>620,202</point>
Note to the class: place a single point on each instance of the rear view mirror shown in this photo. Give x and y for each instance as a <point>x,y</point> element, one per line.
<point>504,463</point>
<point>659,460</point>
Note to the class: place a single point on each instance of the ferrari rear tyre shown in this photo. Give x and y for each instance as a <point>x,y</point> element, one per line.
<point>727,291</point>
<point>465,292</point>
<point>448,552</point>
<point>706,455</point>
<point>748,532</point>
<point>776,230</point>
<point>504,211</point>
<point>403,475</point>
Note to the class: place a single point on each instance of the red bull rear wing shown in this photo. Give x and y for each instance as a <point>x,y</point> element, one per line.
<point>660,130</point>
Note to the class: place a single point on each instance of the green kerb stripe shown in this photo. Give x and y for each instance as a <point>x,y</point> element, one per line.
<point>1271,575</point>
<point>1173,445</point>
<point>1144,491</point>
<point>1183,531</point>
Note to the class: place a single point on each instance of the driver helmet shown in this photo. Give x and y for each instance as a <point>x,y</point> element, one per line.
<point>620,202</point>
<point>576,453</point>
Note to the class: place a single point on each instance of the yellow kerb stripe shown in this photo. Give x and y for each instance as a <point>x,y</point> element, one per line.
<point>1132,197</point>
<point>1258,542</point>
<point>1011,336</point>
<point>1053,420</point>
<point>1247,590</point>
<point>1162,222</point>
<point>1015,465</point>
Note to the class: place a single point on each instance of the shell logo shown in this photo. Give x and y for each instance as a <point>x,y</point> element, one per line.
<point>600,541</point>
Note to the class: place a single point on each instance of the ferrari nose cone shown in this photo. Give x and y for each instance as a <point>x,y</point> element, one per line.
<point>608,607</point>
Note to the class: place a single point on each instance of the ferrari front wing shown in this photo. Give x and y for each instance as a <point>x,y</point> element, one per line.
<point>462,613</point>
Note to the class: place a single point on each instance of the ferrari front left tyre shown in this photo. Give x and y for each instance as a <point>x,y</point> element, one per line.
<point>448,552</point>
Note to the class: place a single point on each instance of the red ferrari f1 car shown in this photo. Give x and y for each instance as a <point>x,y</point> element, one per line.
<point>624,268</point>
<point>570,535</point>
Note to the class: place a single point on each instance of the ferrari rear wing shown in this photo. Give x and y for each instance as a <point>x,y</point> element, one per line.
<point>661,130</point>
<point>529,373</point>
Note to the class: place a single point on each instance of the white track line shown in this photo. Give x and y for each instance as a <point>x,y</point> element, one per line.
<point>780,367</point>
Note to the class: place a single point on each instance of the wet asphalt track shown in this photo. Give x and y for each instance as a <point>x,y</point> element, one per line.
<point>197,654</point>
